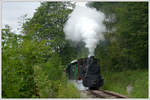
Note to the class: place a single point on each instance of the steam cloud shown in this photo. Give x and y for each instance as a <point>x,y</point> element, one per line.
<point>85,24</point>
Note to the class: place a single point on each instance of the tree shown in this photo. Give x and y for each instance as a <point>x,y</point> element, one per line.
<point>127,34</point>
<point>19,55</point>
<point>47,24</point>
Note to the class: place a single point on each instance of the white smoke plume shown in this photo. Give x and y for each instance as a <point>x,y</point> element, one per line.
<point>78,84</point>
<point>85,24</point>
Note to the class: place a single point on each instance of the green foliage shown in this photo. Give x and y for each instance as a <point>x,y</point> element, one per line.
<point>126,39</point>
<point>33,63</point>
<point>124,53</point>
<point>45,87</point>
<point>42,83</point>
<point>53,67</point>
<point>48,86</point>
<point>26,70</point>
<point>17,64</point>
<point>118,82</point>
<point>140,90</point>
<point>68,91</point>
<point>12,86</point>
<point>47,24</point>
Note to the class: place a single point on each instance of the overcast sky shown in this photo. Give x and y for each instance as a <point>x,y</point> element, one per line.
<point>12,12</point>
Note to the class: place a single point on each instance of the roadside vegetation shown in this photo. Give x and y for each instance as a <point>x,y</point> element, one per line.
<point>132,83</point>
<point>33,63</point>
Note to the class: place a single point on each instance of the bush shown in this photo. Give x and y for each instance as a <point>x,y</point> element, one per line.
<point>42,84</point>
<point>68,91</point>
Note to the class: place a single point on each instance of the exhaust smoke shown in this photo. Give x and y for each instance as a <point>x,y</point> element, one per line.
<point>78,84</point>
<point>85,24</point>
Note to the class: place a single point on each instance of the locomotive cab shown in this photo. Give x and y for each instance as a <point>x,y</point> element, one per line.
<point>72,70</point>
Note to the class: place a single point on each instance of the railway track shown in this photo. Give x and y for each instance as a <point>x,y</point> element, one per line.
<point>106,94</point>
<point>103,94</point>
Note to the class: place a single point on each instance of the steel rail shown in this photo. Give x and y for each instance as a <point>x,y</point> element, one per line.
<point>106,94</point>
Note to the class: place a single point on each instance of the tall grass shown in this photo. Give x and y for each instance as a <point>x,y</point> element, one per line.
<point>68,91</point>
<point>119,81</point>
<point>48,88</point>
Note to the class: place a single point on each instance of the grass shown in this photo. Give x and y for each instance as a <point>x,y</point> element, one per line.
<point>118,82</point>
<point>68,91</point>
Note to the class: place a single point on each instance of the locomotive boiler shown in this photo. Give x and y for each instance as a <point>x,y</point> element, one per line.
<point>87,70</point>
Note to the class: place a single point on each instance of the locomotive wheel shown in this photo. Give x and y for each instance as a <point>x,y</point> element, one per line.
<point>93,88</point>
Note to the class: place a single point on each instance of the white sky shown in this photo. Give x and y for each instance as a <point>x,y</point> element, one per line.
<point>12,12</point>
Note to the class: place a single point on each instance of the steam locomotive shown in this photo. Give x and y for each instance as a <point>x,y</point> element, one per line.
<point>87,70</point>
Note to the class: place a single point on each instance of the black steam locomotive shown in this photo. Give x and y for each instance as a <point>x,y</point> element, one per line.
<point>87,70</point>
